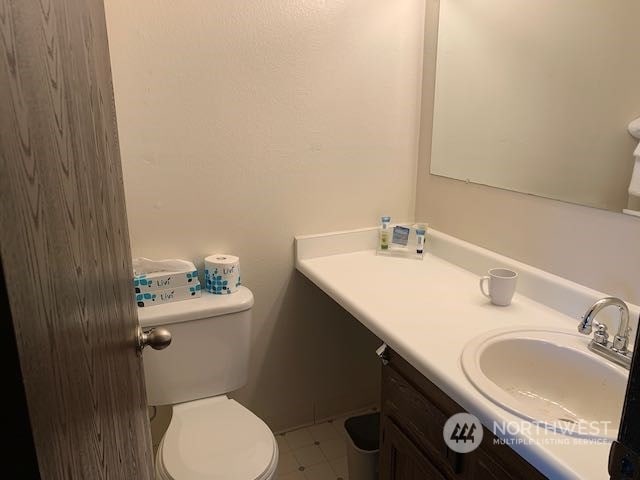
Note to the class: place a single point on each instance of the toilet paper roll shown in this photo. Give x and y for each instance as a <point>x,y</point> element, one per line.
<point>221,273</point>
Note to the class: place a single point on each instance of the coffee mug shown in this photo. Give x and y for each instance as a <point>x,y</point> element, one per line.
<point>502,286</point>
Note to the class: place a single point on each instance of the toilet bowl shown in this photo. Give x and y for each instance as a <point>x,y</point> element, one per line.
<point>210,436</point>
<point>216,439</point>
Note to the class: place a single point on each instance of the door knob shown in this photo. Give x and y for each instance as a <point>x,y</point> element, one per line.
<point>156,338</point>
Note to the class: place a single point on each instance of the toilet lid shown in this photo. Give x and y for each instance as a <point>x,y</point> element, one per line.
<point>217,438</point>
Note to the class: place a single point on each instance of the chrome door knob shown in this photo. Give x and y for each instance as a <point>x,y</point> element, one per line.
<point>156,338</point>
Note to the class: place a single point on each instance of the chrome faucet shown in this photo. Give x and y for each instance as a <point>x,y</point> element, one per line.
<point>615,351</point>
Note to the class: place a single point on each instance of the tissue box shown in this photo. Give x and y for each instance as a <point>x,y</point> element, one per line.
<point>150,282</point>
<point>168,295</point>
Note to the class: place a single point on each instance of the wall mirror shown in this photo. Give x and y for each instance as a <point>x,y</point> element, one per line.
<point>536,97</point>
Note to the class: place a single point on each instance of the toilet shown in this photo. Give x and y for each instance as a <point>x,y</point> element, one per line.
<point>210,436</point>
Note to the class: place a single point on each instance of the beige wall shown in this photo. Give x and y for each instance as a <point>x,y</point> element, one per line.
<point>596,248</point>
<point>243,123</point>
<point>536,96</point>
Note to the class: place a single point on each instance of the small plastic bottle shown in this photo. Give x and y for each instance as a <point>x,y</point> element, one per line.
<point>421,231</point>
<point>384,233</point>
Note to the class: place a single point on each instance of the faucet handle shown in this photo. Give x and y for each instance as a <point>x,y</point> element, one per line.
<point>602,335</point>
<point>620,342</point>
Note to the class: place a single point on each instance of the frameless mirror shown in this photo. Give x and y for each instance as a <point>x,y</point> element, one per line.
<point>536,97</point>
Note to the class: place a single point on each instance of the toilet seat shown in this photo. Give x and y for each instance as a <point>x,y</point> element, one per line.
<point>216,439</point>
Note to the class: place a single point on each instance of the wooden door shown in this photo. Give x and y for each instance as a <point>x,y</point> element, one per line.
<point>64,242</point>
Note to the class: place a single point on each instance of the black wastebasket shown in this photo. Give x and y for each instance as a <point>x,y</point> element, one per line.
<point>363,446</point>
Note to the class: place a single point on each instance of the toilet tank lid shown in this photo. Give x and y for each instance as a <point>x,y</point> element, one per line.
<point>208,305</point>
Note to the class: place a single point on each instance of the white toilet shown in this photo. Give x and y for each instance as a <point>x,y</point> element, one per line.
<point>210,436</point>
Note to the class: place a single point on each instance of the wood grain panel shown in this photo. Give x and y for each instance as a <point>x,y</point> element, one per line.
<point>64,242</point>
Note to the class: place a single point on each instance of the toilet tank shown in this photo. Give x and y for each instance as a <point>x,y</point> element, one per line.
<point>209,351</point>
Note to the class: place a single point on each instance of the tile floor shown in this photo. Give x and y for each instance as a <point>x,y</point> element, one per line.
<point>317,452</point>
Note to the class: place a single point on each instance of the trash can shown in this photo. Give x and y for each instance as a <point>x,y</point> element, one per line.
<point>363,446</point>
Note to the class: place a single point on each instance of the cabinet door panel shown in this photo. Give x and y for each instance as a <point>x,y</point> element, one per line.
<point>400,459</point>
<point>419,417</point>
<point>483,467</point>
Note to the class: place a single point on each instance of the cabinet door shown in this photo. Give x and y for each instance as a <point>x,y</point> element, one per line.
<point>400,459</point>
<point>483,467</point>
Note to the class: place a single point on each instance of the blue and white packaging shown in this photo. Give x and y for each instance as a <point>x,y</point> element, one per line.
<point>168,295</point>
<point>400,235</point>
<point>151,275</point>
<point>221,273</point>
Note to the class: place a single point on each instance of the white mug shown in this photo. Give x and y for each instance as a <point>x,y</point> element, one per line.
<point>502,286</point>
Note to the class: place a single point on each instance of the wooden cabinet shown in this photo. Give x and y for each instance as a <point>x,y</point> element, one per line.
<point>412,446</point>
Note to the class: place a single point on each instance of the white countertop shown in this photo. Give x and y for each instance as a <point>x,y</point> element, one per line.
<point>427,311</point>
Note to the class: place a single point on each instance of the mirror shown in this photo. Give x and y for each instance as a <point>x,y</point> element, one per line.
<point>536,97</point>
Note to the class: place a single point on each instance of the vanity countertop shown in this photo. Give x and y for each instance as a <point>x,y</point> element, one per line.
<point>427,311</point>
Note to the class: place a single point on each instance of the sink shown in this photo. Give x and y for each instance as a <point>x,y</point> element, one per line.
<point>549,378</point>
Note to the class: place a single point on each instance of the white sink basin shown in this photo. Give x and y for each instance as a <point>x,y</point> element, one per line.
<point>549,378</point>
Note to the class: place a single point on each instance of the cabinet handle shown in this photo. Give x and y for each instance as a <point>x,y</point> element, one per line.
<point>455,460</point>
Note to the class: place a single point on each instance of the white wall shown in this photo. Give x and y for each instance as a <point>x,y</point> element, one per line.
<point>593,247</point>
<point>243,123</point>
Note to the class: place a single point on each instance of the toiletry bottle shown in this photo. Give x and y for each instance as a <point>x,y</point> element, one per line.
<point>421,231</point>
<point>384,233</point>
